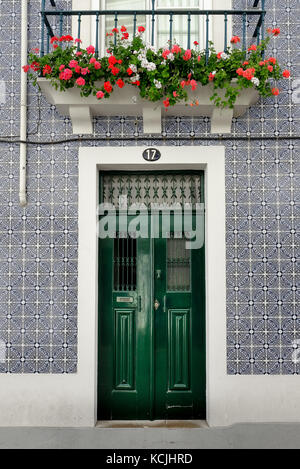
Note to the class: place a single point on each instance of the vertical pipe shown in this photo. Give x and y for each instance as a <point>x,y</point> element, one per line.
<point>43,29</point>
<point>97,35</point>
<point>153,22</point>
<point>171,28</point>
<point>23,107</point>
<point>244,30</point>
<point>207,39</point>
<point>258,37</point>
<point>225,31</point>
<point>189,31</point>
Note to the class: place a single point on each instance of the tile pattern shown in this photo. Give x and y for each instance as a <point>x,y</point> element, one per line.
<point>38,245</point>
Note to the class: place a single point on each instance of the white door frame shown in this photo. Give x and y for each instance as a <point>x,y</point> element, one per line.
<point>211,159</point>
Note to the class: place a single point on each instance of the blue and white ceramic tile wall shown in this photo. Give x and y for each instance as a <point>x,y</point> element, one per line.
<point>38,245</point>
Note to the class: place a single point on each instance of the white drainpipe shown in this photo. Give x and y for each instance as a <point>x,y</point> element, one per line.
<point>23,109</point>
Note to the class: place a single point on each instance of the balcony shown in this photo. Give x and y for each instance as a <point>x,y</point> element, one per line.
<point>249,24</point>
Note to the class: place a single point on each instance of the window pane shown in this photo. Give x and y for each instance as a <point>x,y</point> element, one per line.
<point>180,23</point>
<point>124,19</point>
<point>178,265</point>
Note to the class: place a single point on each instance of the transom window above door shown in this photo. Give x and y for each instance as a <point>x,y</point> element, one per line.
<point>167,22</point>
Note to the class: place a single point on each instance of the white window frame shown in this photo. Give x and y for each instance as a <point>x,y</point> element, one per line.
<point>88,27</point>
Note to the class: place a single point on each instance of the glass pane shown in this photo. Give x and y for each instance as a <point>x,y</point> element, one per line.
<point>178,265</point>
<point>124,19</point>
<point>180,23</point>
<point>124,263</point>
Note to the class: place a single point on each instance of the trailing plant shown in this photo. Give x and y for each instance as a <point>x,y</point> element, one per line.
<point>166,74</point>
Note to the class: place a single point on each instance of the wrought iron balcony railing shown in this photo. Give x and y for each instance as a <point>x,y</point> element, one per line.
<point>57,21</point>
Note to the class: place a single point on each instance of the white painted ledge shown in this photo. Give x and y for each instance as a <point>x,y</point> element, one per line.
<point>127,102</point>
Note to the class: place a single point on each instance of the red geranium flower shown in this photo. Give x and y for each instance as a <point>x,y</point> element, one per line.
<point>187,55</point>
<point>115,71</point>
<point>129,71</point>
<point>272,60</point>
<point>240,71</point>
<point>54,39</point>
<point>26,68</point>
<point>120,83</point>
<point>270,68</point>
<point>196,43</point>
<point>47,70</point>
<point>286,74</point>
<point>115,30</point>
<point>80,81</point>
<point>141,29</point>
<point>276,31</point>
<point>166,103</point>
<point>125,36</point>
<point>123,29</point>
<point>107,86</point>
<point>235,39</point>
<point>275,91</point>
<point>252,48</point>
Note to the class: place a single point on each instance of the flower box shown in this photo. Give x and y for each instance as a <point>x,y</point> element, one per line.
<point>127,102</point>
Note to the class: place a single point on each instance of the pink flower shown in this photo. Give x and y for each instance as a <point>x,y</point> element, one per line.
<point>97,65</point>
<point>182,84</point>
<point>79,41</point>
<point>66,74</point>
<point>78,69</point>
<point>80,81</point>
<point>78,54</point>
<point>100,94</point>
<point>193,84</point>
<point>175,49</point>
<point>93,60</point>
<point>262,63</point>
<point>73,63</point>
<point>62,67</point>
<point>175,94</point>
<point>165,53</point>
<point>85,71</point>
<point>270,68</point>
<point>188,54</point>
<point>199,58</point>
<point>90,50</point>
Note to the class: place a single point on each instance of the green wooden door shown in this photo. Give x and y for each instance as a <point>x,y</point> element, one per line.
<point>151,327</point>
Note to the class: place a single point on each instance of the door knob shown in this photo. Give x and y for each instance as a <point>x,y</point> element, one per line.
<point>156,305</point>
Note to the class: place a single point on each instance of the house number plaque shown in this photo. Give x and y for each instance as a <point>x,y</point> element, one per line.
<point>151,154</point>
<point>124,299</point>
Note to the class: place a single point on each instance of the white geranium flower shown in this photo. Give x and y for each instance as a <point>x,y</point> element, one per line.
<point>171,57</point>
<point>224,56</point>
<point>133,68</point>
<point>158,84</point>
<point>255,81</point>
